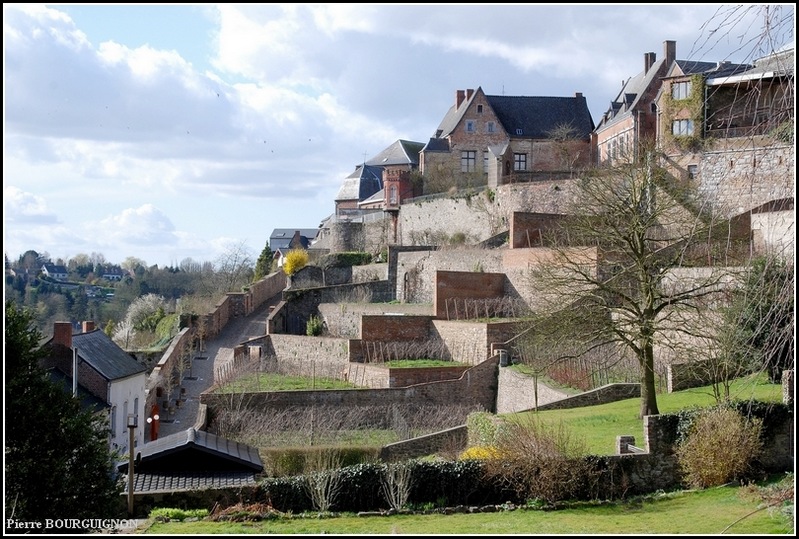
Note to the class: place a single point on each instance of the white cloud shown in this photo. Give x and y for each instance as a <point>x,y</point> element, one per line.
<point>182,159</point>
<point>21,208</point>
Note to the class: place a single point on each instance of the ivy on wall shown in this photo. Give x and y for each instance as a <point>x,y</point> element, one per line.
<point>695,105</point>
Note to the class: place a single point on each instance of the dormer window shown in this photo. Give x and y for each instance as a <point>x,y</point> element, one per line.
<point>519,132</point>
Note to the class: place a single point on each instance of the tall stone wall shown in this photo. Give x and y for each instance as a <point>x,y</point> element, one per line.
<point>475,389</point>
<point>455,285</point>
<point>740,179</point>
<point>307,356</point>
<point>470,342</point>
<point>416,270</point>
<point>344,319</point>
<point>394,327</point>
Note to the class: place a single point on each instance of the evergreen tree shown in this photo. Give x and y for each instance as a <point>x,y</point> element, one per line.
<point>58,464</point>
<point>263,264</point>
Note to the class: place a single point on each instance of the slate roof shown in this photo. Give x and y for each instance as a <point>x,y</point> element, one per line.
<point>722,69</point>
<point>87,400</point>
<point>630,94</point>
<point>361,184</point>
<point>195,450</point>
<point>162,483</point>
<point>437,145</point>
<point>105,356</point>
<point>778,64</point>
<point>536,117</point>
<point>377,197</point>
<point>524,117</point>
<point>281,237</point>
<point>402,152</point>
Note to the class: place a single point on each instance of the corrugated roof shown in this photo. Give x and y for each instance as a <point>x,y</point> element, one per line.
<point>194,449</point>
<point>105,356</point>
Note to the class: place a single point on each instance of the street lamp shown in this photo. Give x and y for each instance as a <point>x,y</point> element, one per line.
<point>132,420</point>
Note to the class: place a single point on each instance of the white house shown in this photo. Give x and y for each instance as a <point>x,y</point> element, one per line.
<point>106,372</point>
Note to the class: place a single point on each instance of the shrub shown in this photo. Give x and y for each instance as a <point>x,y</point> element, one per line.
<point>720,447</point>
<point>314,326</point>
<point>296,259</point>
<point>323,483</point>
<point>396,482</point>
<point>479,452</point>
<point>540,461</point>
<point>170,513</point>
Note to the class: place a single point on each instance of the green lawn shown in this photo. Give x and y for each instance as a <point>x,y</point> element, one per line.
<point>599,425</point>
<point>709,511</point>
<point>266,381</point>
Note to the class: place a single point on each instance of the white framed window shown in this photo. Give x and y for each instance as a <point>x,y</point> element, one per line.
<point>125,415</point>
<point>693,171</point>
<point>392,195</point>
<point>485,161</point>
<point>681,90</point>
<point>468,160</point>
<point>519,162</point>
<point>470,126</point>
<point>491,127</point>
<point>682,127</point>
<point>113,419</point>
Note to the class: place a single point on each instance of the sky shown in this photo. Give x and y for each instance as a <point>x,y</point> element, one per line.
<point>165,132</point>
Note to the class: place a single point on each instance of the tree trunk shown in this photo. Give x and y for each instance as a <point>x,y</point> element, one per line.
<point>649,405</point>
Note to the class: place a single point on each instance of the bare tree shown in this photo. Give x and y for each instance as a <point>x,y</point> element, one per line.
<point>396,483</point>
<point>323,479</point>
<point>609,279</point>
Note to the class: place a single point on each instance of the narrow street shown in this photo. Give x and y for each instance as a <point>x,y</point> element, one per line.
<point>201,375</point>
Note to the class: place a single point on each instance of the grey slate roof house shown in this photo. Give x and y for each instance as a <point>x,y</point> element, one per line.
<point>54,271</point>
<point>364,182</point>
<point>285,238</point>
<point>631,117</point>
<point>105,371</point>
<point>493,140</point>
<point>379,180</point>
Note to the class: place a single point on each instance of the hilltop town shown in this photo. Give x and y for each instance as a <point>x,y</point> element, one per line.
<point>454,229</point>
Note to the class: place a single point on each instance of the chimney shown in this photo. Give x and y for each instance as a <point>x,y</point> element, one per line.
<point>88,325</point>
<point>296,240</point>
<point>578,95</point>
<point>649,61</point>
<point>669,52</point>
<point>469,93</point>
<point>459,97</point>
<point>62,334</point>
